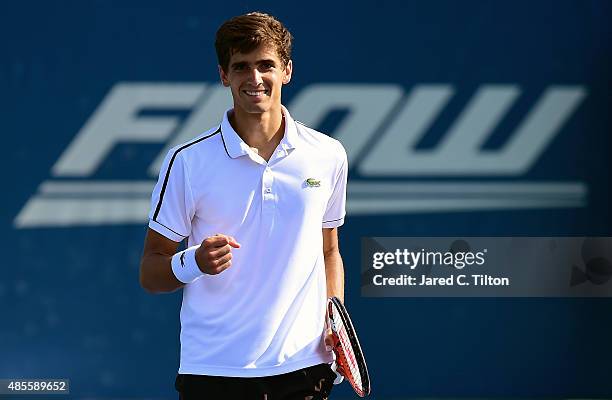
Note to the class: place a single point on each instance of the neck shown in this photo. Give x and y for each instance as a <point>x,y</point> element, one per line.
<point>261,131</point>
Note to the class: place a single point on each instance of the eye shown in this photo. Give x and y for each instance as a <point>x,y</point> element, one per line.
<point>266,66</point>
<point>239,67</point>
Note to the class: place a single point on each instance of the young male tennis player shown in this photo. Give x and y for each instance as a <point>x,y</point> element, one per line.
<point>258,199</point>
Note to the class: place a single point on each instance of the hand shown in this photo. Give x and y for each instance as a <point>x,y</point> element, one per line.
<point>329,340</point>
<point>214,254</point>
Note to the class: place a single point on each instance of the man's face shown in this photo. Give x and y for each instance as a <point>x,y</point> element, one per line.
<point>256,79</point>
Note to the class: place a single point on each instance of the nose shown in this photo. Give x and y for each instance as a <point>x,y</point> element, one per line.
<point>255,76</point>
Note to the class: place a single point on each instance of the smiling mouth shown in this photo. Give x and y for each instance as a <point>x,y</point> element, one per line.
<point>255,93</point>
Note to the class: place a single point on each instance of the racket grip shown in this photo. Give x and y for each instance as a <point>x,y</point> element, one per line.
<point>339,377</point>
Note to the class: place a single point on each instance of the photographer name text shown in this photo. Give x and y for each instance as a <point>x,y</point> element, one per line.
<point>453,280</point>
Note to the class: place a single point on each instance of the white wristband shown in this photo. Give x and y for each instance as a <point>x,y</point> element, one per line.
<point>184,265</point>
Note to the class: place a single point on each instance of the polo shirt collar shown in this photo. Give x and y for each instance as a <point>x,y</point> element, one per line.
<point>236,147</point>
<point>290,138</point>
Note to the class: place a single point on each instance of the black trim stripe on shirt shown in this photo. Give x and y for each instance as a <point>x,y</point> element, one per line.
<point>224,146</point>
<point>170,229</point>
<point>333,220</point>
<point>163,189</point>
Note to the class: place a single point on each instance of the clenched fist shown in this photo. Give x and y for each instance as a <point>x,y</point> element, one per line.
<point>215,254</point>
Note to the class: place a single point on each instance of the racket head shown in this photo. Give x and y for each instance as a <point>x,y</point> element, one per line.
<point>349,355</point>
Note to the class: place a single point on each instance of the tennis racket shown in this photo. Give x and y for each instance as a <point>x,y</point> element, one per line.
<point>350,362</point>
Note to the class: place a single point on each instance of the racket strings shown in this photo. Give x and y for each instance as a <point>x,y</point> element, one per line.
<point>350,355</point>
<point>347,359</point>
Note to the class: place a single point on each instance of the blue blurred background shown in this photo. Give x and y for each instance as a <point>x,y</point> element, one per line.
<point>365,72</point>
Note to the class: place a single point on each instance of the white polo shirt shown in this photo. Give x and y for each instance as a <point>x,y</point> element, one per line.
<point>265,314</point>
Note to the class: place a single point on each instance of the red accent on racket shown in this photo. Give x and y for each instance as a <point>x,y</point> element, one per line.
<point>349,357</point>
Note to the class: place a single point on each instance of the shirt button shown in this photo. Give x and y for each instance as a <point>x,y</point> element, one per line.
<point>268,190</point>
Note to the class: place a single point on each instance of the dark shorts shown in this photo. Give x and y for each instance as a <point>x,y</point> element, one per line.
<point>312,383</point>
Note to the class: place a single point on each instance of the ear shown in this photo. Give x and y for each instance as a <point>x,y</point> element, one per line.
<point>287,72</point>
<point>223,76</point>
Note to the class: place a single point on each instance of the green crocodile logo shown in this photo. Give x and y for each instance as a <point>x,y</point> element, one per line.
<point>311,182</point>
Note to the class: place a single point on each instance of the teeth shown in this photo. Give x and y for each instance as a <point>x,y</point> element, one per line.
<point>255,93</point>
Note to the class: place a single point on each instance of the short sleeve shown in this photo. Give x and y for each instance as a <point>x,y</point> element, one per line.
<point>336,205</point>
<point>172,205</point>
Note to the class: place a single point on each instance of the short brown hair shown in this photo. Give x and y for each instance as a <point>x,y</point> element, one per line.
<point>245,33</point>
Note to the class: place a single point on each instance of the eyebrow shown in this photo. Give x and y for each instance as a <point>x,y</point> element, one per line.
<point>238,64</point>
<point>258,62</point>
<point>266,62</point>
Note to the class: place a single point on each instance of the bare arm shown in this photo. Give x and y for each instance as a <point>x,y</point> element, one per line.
<point>156,274</point>
<point>334,269</point>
